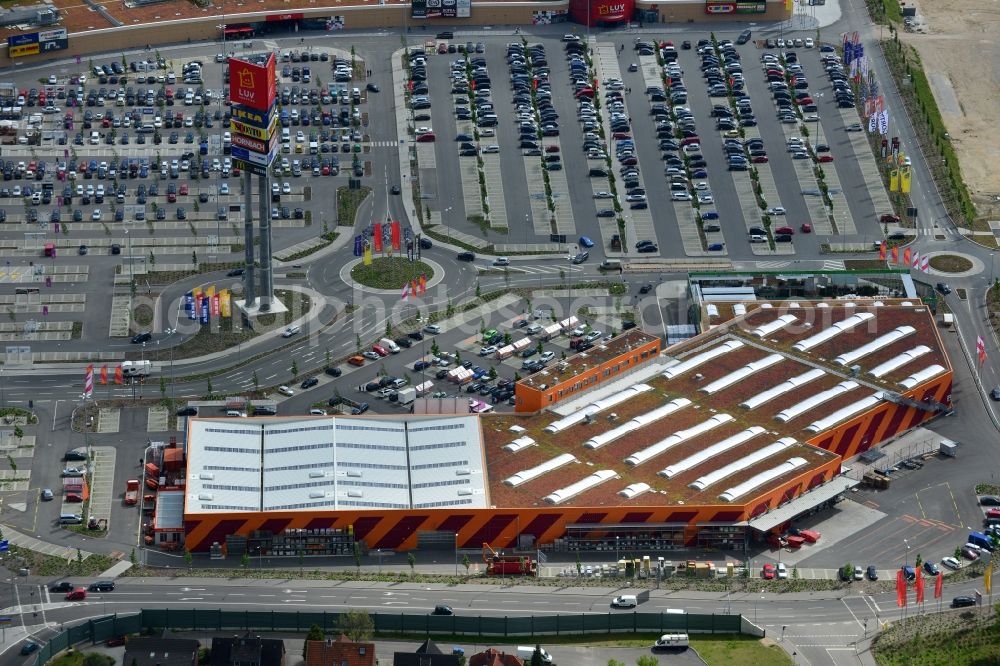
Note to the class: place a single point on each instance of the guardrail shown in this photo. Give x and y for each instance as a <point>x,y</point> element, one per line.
<point>483,627</point>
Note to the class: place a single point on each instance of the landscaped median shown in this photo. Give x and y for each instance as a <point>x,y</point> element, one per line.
<point>390,272</point>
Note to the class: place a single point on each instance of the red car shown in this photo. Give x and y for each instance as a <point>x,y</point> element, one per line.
<point>171,197</point>
<point>826,157</point>
<point>426,137</point>
<point>784,230</point>
<point>768,573</point>
<point>993,513</point>
<point>78,594</point>
<point>74,497</point>
<point>380,350</point>
<point>806,228</point>
<point>889,218</point>
<point>760,159</point>
<point>183,189</point>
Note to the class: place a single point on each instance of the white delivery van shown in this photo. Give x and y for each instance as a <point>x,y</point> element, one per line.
<point>672,641</point>
<point>625,601</point>
<point>390,345</point>
<point>525,652</point>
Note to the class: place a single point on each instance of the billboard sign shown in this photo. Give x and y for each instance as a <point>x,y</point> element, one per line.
<point>254,132</point>
<point>21,40</point>
<point>254,145</point>
<point>53,35</point>
<point>440,9</point>
<point>252,84</point>
<point>54,45</point>
<point>418,9</point>
<point>23,50</point>
<point>255,169</point>
<point>751,7</point>
<point>244,155</point>
<point>720,7</point>
<point>248,116</point>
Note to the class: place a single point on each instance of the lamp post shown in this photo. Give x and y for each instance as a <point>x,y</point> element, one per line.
<point>906,553</point>
<point>991,268</point>
<point>755,607</point>
<point>456,554</point>
<point>617,556</point>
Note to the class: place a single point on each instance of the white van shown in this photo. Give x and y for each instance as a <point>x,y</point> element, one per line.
<point>611,264</point>
<point>526,652</point>
<point>533,328</point>
<point>625,601</point>
<point>390,345</point>
<point>672,641</point>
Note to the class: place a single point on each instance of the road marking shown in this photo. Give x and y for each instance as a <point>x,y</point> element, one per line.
<point>190,599</point>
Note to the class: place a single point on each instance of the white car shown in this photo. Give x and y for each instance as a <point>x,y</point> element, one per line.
<point>285,390</point>
<point>706,198</point>
<point>224,188</point>
<point>433,329</point>
<point>782,570</point>
<point>579,330</point>
<point>951,563</point>
<point>501,261</point>
<point>370,355</point>
<point>486,351</point>
<point>633,198</point>
<point>286,188</point>
<point>547,356</point>
<point>491,149</point>
<point>290,331</point>
<point>602,195</point>
<point>593,335</point>
<point>423,130</point>
<point>776,210</point>
<point>680,196</point>
<point>809,42</point>
<point>96,215</point>
<point>74,471</point>
<point>701,185</point>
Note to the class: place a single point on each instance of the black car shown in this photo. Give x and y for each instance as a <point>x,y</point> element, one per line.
<point>102,586</point>
<point>309,383</point>
<point>441,609</point>
<point>187,411</point>
<point>962,601</point>
<point>145,336</point>
<point>744,37</point>
<point>415,335</point>
<point>466,256</point>
<point>29,648</point>
<point>75,454</point>
<point>645,289</point>
<point>62,586</point>
<point>872,573</point>
<point>989,500</point>
<point>333,371</point>
<point>236,272</point>
<point>943,288</point>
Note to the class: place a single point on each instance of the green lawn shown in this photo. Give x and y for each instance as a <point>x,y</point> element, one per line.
<point>977,645</point>
<point>738,651</point>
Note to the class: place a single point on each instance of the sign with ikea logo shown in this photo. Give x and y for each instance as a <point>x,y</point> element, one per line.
<point>249,116</point>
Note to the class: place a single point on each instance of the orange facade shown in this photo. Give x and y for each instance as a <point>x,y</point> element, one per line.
<point>534,398</point>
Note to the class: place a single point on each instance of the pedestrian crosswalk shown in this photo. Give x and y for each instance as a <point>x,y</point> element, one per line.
<point>539,269</point>
<point>383,144</point>
<point>825,265</point>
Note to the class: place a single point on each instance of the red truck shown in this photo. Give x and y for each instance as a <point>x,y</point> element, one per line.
<point>809,535</point>
<point>131,492</point>
<point>795,541</point>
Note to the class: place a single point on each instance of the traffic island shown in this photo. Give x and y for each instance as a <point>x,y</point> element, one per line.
<point>391,272</point>
<point>951,263</point>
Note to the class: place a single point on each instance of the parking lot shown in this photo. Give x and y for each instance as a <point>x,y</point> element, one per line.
<point>693,148</point>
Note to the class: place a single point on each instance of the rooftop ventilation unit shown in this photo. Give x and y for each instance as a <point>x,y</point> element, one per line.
<point>767,329</point>
<point>786,467</point>
<point>704,357</point>
<point>741,374</point>
<point>878,343</point>
<point>536,471</point>
<point>571,491</point>
<point>814,401</point>
<point>833,331</point>
<point>206,476</point>
<point>744,463</point>
<point>596,407</point>
<point>317,475</point>
<point>205,497</point>
<point>642,456</point>
<point>909,355</point>
<point>597,441</point>
<point>782,388</point>
<point>518,444</point>
<point>708,453</point>
<point>634,490</point>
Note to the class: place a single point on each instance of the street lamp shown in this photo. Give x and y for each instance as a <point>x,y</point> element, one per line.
<point>617,556</point>
<point>456,554</point>
<point>906,554</point>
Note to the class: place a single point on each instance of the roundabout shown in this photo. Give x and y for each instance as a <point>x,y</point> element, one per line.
<point>955,264</point>
<point>388,275</point>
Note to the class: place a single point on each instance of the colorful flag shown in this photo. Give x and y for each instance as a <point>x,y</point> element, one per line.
<point>906,257</point>
<point>900,589</point>
<point>405,292</point>
<point>413,287</point>
<point>377,236</point>
<point>883,122</point>
<point>395,235</point>
<point>938,585</point>
<point>981,349</point>
<point>915,264</point>
<point>423,284</point>
<point>225,303</point>
<point>895,255</point>
<point>925,264</point>
<point>904,179</point>
<point>210,292</point>
<point>893,179</point>
<point>872,123</point>
<point>368,254</point>
<point>216,305</point>
<point>88,381</point>
<point>882,251</point>
<point>988,578</point>
<point>104,374</point>
<point>119,376</point>
<point>920,587</point>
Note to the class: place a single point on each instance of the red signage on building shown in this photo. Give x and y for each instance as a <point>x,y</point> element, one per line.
<point>594,12</point>
<point>252,84</point>
<point>294,16</point>
<point>252,144</point>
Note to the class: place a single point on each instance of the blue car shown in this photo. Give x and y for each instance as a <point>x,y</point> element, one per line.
<point>700,173</point>
<point>586,242</point>
<point>716,247</point>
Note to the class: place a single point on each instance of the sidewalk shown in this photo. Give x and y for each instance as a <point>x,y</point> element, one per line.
<point>39,546</point>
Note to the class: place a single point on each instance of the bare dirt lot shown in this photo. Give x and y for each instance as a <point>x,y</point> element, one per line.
<point>961,55</point>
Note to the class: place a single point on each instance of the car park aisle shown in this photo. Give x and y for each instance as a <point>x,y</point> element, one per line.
<point>858,151</point>
<point>638,223</point>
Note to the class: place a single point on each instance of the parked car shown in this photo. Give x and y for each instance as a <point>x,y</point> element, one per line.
<point>963,601</point>
<point>872,572</point>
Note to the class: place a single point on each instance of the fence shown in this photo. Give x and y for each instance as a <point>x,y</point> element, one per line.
<point>110,626</point>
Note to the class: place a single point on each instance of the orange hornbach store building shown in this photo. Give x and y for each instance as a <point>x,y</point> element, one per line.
<point>743,427</point>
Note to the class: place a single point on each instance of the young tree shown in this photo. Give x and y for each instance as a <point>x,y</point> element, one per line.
<point>315,634</point>
<point>493,372</point>
<point>132,558</point>
<point>435,349</point>
<point>302,561</point>
<point>208,387</point>
<point>615,662</point>
<point>356,625</point>
<point>412,561</point>
<point>256,381</point>
<point>245,561</point>
<point>647,660</point>
<point>536,656</point>
<point>188,558</point>
<point>295,368</point>
<point>163,386</point>
<point>328,357</point>
<point>579,565</point>
<point>466,563</point>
